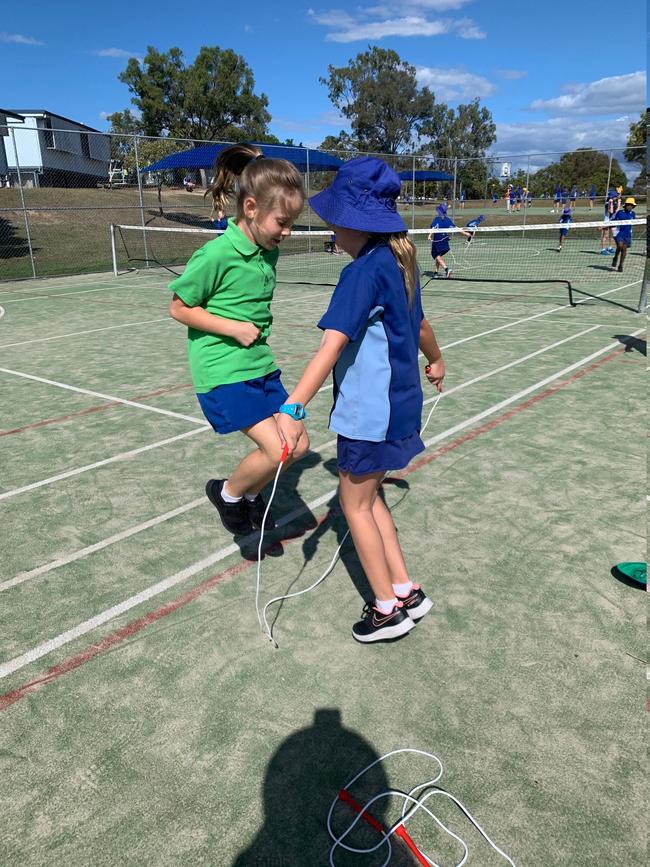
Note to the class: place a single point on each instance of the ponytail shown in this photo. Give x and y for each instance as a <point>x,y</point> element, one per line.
<point>404,251</point>
<point>243,170</point>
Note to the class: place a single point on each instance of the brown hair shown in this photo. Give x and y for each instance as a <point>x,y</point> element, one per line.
<point>243,170</point>
<point>404,251</point>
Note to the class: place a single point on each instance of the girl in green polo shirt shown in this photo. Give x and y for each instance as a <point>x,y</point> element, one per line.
<point>224,298</point>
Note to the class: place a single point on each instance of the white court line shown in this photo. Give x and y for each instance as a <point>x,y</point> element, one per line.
<point>121,457</point>
<point>2,311</point>
<point>125,534</point>
<point>108,397</point>
<point>108,614</point>
<point>90,331</point>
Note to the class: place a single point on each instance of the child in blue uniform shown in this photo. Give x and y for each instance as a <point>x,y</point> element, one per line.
<point>440,240</point>
<point>623,234</point>
<point>224,298</point>
<point>606,241</point>
<point>473,226</point>
<point>565,219</point>
<point>557,195</point>
<point>592,196</point>
<point>373,328</point>
<point>574,196</point>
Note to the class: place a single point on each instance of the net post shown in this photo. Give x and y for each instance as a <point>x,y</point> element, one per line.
<point>141,197</point>
<point>113,250</point>
<point>643,299</point>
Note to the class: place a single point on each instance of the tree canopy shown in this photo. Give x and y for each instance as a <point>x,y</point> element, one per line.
<point>636,151</point>
<point>388,112</point>
<point>582,167</point>
<point>212,98</point>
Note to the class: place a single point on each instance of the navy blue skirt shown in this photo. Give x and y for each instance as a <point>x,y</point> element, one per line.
<point>360,457</point>
<point>240,405</point>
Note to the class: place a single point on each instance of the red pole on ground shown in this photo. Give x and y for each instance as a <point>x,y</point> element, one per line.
<point>400,831</point>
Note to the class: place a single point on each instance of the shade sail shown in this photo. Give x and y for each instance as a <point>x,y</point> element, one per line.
<point>204,156</point>
<point>426,176</point>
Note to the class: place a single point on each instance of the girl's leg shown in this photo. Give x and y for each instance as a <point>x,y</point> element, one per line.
<point>260,466</point>
<point>392,547</point>
<point>357,495</point>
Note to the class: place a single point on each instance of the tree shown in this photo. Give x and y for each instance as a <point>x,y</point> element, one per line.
<point>582,167</point>
<point>378,93</point>
<point>212,98</point>
<point>466,132</point>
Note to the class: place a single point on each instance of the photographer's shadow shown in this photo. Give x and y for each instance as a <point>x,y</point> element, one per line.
<point>302,780</point>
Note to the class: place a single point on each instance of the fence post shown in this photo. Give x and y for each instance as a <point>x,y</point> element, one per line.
<point>308,205</point>
<point>413,196</point>
<point>144,225</point>
<point>453,195</point>
<point>22,200</point>
<point>527,189</point>
<point>609,173</point>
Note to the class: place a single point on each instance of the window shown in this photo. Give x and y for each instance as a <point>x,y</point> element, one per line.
<point>85,144</point>
<point>48,133</point>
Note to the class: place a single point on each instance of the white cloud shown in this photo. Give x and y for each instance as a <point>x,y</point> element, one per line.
<point>117,52</point>
<point>511,74</point>
<point>605,96</point>
<point>454,84</point>
<point>19,39</point>
<point>375,22</point>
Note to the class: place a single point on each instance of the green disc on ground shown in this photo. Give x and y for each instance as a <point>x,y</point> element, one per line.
<point>636,572</point>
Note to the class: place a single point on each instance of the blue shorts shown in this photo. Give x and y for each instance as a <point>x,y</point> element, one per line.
<point>239,405</point>
<point>360,456</point>
<point>439,248</point>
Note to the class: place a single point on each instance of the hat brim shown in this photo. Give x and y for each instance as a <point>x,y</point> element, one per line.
<point>373,217</point>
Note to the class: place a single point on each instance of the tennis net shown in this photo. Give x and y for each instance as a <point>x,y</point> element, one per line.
<point>531,254</point>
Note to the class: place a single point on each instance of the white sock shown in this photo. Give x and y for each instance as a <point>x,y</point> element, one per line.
<point>385,605</point>
<point>402,589</point>
<point>249,497</point>
<point>226,497</point>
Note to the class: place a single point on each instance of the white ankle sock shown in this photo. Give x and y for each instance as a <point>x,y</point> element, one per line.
<point>385,605</point>
<point>402,589</point>
<point>226,497</point>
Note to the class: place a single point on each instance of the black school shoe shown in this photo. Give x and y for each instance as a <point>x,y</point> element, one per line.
<point>234,516</point>
<point>417,603</point>
<point>375,626</point>
<point>256,509</point>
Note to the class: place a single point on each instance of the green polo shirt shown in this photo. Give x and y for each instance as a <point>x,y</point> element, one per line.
<point>234,278</point>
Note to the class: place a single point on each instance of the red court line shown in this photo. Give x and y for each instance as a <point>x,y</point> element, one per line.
<point>102,408</point>
<point>135,626</point>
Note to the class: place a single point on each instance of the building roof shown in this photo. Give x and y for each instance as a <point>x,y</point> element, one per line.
<point>34,111</point>
<point>4,112</point>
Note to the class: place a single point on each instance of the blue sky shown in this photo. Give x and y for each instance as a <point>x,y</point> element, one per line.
<point>555,74</point>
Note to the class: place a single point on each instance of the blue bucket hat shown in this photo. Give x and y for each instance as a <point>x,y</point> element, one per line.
<point>363,196</point>
<point>566,211</point>
<point>442,209</point>
<point>480,218</point>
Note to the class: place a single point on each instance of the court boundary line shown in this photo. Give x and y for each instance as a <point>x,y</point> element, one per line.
<point>105,616</point>
<point>22,577</point>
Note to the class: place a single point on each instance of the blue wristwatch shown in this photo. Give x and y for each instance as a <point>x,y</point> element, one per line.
<point>296,410</point>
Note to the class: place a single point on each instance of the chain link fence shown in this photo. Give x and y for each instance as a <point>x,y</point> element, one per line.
<point>61,188</point>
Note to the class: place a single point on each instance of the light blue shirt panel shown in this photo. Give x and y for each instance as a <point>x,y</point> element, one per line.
<point>361,412</point>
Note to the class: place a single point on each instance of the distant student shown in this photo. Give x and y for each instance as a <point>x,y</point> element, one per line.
<point>440,240</point>
<point>188,183</point>
<point>606,240</point>
<point>564,197</point>
<point>574,196</point>
<point>511,199</point>
<point>619,197</point>
<point>462,200</point>
<point>519,196</point>
<point>623,233</point>
<point>592,197</point>
<point>557,195</point>
<point>495,198</point>
<point>473,226</point>
<point>565,219</point>
<point>221,222</point>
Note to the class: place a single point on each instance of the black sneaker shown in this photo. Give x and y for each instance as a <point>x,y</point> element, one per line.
<point>620,268</point>
<point>417,603</point>
<point>375,626</point>
<point>234,516</point>
<point>256,509</point>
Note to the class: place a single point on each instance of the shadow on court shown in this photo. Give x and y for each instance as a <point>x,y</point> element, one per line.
<point>301,781</point>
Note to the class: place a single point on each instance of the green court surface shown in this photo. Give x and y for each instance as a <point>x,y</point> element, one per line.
<point>144,717</point>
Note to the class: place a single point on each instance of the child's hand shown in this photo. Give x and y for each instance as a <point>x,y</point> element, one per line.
<point>435,373</point>
<point>290,431</point>
<point>246,333</point>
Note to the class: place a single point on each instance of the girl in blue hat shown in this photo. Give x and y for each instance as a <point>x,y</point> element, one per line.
<point>372,332</point>
<point>440,240</point>
<point>224,298</point>
<point>564,220</point>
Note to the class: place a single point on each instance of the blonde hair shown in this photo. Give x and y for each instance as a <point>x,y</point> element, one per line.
<point>243,170</point>
<point>404,251</point>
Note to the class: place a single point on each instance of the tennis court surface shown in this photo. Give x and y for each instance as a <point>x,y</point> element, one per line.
<point>144,717</point>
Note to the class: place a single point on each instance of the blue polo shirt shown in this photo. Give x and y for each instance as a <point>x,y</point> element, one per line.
<point>624,233</point>
<point>377,392</point>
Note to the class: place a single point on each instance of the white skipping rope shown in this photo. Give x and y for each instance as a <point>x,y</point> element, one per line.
<point>411,804</point>
<point>261,617</point>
